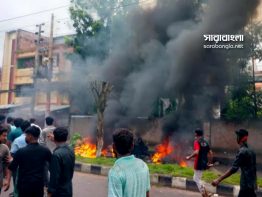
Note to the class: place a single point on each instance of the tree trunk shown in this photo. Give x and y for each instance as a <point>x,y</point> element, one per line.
<point>99,133</point>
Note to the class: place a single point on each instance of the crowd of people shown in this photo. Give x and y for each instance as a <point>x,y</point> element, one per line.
<point>39,161</point>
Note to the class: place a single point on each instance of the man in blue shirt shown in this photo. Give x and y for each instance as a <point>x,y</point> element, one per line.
<point>16,132</point>
<point>129,176</point>
<point>20,141</point>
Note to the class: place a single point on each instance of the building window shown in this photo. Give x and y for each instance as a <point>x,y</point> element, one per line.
<point>24,90</point>
<point>26,62</point>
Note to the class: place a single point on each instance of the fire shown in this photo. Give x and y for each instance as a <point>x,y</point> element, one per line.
<point>85,148</point>
<point>167,150</point>
<point>162,151</point>
<point>183,164</point>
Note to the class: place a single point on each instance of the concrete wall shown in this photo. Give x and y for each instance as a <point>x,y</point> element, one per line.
<point>223,135</point>
<point>85,125</point>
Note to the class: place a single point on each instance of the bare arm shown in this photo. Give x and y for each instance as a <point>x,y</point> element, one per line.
<point>193,154</point>
<point>7,172</point>
<point>210,156</point>
<point>221,178</point>
<point>7,180</point>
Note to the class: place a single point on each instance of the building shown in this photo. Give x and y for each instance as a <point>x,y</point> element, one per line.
<point>17,84</point>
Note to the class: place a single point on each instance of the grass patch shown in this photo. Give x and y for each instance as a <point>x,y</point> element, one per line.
<point>171,169</point>
<point>99,161</point>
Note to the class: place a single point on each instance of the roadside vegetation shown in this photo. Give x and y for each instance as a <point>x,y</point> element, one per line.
<point>171,170</point>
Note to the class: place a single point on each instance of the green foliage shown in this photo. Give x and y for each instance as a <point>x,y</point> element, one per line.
<point>98,161</point>
<point>86,29</point>
<point>240,105</point>
<point>106,9</point>
<point>253,34</point>
<point>76,137</point>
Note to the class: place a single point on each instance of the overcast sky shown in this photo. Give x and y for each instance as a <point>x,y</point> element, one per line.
<point>16,8</point>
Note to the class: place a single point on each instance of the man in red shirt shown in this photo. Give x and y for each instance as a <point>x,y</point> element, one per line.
<point>203,157</point>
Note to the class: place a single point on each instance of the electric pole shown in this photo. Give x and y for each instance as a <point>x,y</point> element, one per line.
<point>50,67</point>
<point>253,70</point>
<point>36,67</point>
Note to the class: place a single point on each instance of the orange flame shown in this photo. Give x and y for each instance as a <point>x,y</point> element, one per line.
<point>162,151</point>
<point>86,149</point>
<point>183,164</point>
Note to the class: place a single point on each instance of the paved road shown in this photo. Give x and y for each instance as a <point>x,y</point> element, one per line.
<point>87,185</point>
<point>96,186</point>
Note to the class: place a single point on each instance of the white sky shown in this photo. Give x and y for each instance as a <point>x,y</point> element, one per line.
<point>16,8</point>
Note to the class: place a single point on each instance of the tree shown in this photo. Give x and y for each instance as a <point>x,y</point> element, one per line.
<point>243,100</point>
<point>100,90</point>
<point>106,9</point>
<point>92,21</point>
<point>90,40</point>
<point>86,29</point>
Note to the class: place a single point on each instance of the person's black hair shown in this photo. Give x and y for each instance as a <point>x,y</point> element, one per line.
<point>26,124</point>
<point>199,132</point>
<point>32,120</point>
<point>241,133</point>
<point>49,120</point>
<point>3,129</point>
<point>18,122</point>
<point>34,131</point>
<point>60,134</point>
<point>123,140</point>
<point>2,118</point>
<point>9,120</point>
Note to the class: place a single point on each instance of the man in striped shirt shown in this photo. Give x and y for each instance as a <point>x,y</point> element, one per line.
<point>129,177</point>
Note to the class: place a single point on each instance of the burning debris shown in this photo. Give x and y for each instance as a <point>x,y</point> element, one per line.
<point>85,148</point>
<point>162,151</point>
<point>167,152</point>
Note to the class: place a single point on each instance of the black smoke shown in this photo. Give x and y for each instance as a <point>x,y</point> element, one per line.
<point>159,52</point>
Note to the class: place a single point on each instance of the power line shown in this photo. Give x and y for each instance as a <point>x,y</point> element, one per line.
<point>34,13</point>
<point>48,10</point>
<point>46,22</point>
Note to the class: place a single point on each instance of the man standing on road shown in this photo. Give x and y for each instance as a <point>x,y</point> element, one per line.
<point>31,162</point>
<point>47,139</point>
<point>246,161</point>
<point>5,175</point>
<point>16,132</point>
<point>129,176</point>
<point>16,145</point>
<point>46,136</point>
<point>203,159</point>
<point>61,166</point>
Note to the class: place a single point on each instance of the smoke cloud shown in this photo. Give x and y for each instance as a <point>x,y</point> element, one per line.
<point>158,53</point>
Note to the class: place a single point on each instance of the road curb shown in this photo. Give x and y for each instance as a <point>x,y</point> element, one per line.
<point>165,180</point>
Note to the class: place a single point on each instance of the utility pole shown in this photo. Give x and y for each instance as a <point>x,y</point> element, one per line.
<point>253,70</point>
<point>50,67</point>
<point>36,67</point>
